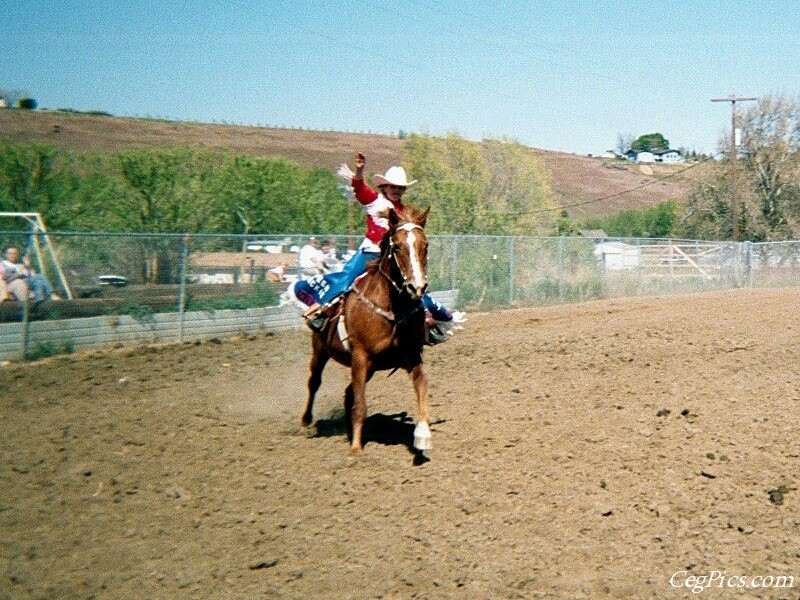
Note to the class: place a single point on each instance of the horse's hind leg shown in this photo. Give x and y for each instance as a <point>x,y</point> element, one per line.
<point>319,358</point>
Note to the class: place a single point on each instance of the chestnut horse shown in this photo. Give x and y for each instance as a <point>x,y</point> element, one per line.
<point>380,325</point>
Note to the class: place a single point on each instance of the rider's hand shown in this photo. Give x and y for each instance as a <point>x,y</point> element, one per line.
<point>361,160</point>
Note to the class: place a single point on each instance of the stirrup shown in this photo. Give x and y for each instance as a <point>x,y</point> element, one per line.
<point>317,324</point>
<point>436,336</point>
<point>316,317</point>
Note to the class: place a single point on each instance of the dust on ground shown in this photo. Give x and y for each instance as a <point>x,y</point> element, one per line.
<point>583,451</point>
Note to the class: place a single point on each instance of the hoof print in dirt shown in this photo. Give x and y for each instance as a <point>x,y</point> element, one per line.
<point>777,495</point>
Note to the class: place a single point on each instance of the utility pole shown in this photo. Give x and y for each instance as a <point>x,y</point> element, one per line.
<point>734,155</point>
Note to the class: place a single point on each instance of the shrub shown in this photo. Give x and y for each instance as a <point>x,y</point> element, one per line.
<point>45,349</point>
<point>27,103</point>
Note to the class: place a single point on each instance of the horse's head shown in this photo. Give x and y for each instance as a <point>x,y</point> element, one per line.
<point>407,244</point>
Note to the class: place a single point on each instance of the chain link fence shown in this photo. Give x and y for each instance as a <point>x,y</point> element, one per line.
<point>140,275</point>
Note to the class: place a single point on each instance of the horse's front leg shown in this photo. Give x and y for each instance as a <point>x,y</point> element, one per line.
<point>359,375</point>
<point>422,432</point>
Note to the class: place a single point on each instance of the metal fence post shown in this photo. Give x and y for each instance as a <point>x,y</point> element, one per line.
<point>182,286</point>
<point>748,263</point>
<point>453,255</point>
<point>24,331</point>
<point>560,268</point>
<point>671,266</point>
<point>511,250</point>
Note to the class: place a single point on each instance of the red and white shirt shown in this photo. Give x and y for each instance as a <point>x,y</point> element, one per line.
<point>374,204</point>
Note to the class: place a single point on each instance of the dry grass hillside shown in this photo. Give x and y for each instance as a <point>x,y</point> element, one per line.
<point>586,186</point>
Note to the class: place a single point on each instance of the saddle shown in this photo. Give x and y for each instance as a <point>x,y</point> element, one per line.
<point>320,319</point>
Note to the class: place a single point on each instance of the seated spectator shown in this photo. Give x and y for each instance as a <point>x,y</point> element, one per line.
<point>310,259</point>
<point>21,280</point>
<point>330,262</point>
<point>14,288</point>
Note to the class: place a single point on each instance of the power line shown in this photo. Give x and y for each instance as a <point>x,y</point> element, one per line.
<point>623,192</point>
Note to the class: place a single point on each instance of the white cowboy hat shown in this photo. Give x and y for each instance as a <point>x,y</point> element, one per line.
<point>394,176</point>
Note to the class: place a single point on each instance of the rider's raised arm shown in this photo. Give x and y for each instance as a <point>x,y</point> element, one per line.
<point>361,160</point>
<point>363,192</point>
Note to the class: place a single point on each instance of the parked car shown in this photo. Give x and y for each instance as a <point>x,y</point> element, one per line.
<point>112,280</point>
<point>257,245</point>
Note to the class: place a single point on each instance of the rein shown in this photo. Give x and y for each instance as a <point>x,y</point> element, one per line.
<point>386,314</point>
<point>390,251</point>
<point>389,315</point>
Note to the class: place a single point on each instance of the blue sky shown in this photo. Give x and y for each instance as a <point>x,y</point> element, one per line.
<point>550,74</point>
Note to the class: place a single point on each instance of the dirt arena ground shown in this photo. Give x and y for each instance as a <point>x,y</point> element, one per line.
<point>612,449</point>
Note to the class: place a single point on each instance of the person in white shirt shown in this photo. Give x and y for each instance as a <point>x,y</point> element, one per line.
<point>330,262</point>
<point>310,259</point>
<point>20,279</point>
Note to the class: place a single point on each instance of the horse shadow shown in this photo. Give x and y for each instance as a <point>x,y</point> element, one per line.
<point>390,430</point>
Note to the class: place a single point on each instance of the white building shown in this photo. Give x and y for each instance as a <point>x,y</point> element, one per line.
<point>618,256</point>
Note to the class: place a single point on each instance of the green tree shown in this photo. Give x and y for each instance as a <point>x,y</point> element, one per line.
<point>650,142</point>
<point>37,178</point>
<point>156,191</point>
<point>454,204</point>
<point>26,103</point>
<point>519,194</point>
<point>565,225</point>
<point>168,190</point>
<point>657,221</point>
<point>275,195</point>
<point>764,181</point>
<point>502,184</point>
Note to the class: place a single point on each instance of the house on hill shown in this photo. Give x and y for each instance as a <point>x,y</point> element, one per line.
<point>671,156</point>
<point>3,101</point>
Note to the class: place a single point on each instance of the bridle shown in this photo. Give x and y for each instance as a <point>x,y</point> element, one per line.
<point>405,288</point>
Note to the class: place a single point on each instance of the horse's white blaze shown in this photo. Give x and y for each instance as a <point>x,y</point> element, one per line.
<point>422,436</point>
<point>416,263</point>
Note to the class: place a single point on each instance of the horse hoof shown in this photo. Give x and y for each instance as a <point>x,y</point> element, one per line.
<point>355,452</point>
<point>306,420</point>
<point>422,436</point>
<point>423,443</point>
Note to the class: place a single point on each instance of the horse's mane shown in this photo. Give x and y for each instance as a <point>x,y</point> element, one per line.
<point>411,214</point>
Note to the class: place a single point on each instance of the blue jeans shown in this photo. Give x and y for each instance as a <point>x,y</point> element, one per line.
<point>39,286</point>
<point>332,285</point>
<point>326,288</point>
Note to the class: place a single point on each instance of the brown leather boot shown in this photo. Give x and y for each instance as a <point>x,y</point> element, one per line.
<point>435,335</point>
<point>312,311</point>
<point>316,317</point>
